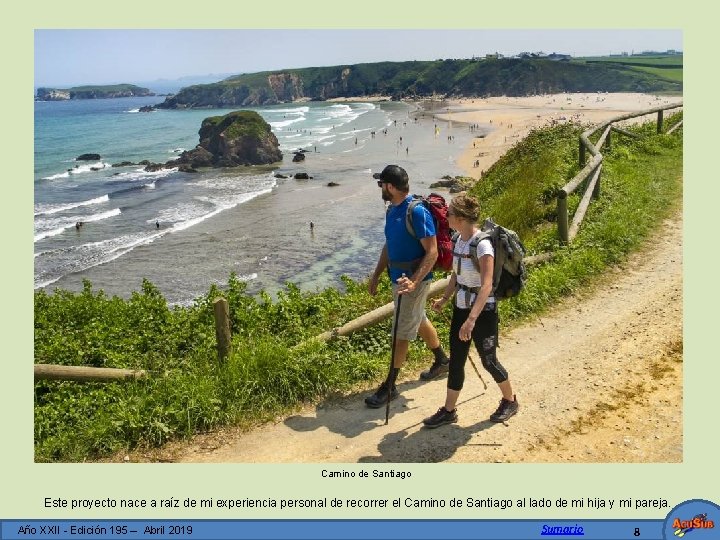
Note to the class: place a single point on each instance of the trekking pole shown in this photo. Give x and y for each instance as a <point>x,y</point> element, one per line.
<point>391,378</point>
<point>470,357</point>
<point>476,369</point>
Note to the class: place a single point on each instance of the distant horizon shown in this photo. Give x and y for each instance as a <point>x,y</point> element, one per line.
<point>62,57</point>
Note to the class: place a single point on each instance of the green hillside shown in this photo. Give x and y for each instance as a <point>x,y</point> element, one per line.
<point>474,77</point>
<point>668,67</point>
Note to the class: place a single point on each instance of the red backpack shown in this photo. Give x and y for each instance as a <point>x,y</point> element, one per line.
<point>438,209</point>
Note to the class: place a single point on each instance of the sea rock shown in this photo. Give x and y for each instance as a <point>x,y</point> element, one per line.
<point>126,164</point>
<point>154,167</point>
<point>197,157</point>
<point>147,108</point>
<point>52,94</point>
<point>88,157</point>
<point>302,176</point>
<point>332,184</point>
<point>454,185</point>
<point>298,157</point>
<point>237,138</point>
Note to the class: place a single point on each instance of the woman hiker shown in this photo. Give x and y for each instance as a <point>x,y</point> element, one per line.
<point>474,315</point>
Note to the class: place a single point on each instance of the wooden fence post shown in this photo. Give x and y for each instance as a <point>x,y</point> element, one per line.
<point>608,140</point>
<point>596,189</point>
<point>581,153</point>
<point>660,122</point>
<point>222,328</point>
<point>562,217</point>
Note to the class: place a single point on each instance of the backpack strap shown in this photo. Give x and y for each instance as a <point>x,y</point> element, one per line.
<point>478,237</point>
<point>408,216</point>
<point>408,266</point>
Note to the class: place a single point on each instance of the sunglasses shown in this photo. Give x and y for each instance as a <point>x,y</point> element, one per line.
<point>380,183</point>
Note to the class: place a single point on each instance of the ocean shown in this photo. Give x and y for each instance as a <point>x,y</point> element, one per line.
<point>184,232</point>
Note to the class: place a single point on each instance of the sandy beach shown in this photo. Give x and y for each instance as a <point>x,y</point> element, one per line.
<point>429,142</point>
<point>510,119</point>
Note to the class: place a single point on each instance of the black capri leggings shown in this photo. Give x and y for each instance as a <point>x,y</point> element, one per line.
<point>484,335</point>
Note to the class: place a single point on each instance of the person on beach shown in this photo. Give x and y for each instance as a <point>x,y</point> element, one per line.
<point>409,262</point>
<point>474,316</point>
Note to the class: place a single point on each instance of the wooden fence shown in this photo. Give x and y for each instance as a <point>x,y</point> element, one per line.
<point>592,169</point>
<point>49,372</point>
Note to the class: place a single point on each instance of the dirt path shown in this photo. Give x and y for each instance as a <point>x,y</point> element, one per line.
<point>599,379</point>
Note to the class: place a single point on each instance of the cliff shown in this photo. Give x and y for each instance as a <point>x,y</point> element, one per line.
<point>476,77</point>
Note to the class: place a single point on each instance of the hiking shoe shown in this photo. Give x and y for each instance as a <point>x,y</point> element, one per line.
<point>442,416</point>
<point>505,410</point>
<point>437,369</point>
<point>380,398</point>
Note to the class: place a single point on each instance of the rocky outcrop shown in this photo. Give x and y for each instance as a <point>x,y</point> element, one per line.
<point>455,185</point>
<point>91,92</point>
<point>238,138</point>
<point>88,157</point>
<point>52,94</point>
<point>197,157</point>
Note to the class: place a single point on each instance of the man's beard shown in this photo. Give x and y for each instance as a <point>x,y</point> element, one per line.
<point>385,195</point>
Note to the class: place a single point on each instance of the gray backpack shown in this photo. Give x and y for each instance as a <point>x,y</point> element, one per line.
<point>509,269</point>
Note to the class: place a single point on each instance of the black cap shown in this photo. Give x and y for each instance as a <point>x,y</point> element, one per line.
<point>395,175</point>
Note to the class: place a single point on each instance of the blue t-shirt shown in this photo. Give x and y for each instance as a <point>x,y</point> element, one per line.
<point>401,246</point>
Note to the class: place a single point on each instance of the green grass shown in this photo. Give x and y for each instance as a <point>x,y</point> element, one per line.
<point>670,74</point>
<point>266,375</point>
<point>662,66</point>
<point>641,185</point>
<point>675,60</point>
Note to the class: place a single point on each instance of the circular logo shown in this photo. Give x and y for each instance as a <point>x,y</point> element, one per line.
<point>696,519</point>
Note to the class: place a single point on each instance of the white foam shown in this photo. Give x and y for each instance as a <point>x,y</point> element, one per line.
<point>283,123</point>
<point>224,205</point>
<point>66,174</point>
<point>48,234</point>
<point>45,209</point>
<point>140,174</point>
<point>103,215</point>
<point>78,169</point>
<point>53,227</point>
<point>296,110</point>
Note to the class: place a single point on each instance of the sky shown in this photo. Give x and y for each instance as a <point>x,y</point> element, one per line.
<point>74,57</point>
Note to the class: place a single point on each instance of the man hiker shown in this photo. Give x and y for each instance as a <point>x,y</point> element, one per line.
<point>409,262</point>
